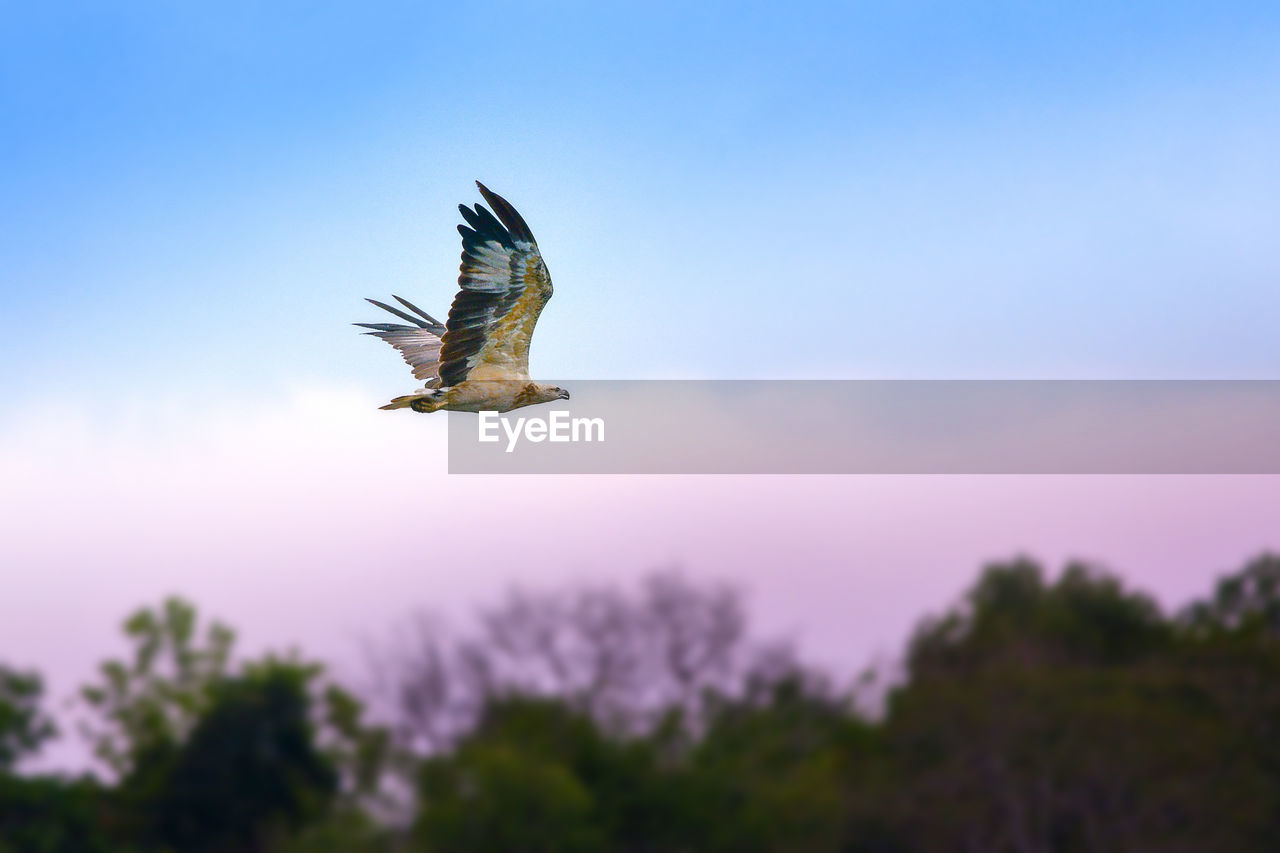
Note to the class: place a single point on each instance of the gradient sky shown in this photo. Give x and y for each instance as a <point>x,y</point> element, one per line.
<point>194,202</point>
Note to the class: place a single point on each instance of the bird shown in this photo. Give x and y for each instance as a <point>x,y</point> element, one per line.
<point>478,359</point>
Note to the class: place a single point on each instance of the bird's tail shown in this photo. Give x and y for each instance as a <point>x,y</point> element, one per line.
<point>424,401</point>
<point>419,344</point>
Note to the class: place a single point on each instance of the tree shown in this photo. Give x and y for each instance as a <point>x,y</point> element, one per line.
<point>210,759</point>
<point>23,726</point>
<point>1037,714</point>
<point>1246,601</point>
<point>1012,616</point>
<point>769,773</point>
<point>1069,716</point>
<point>147,705</point>
<point>625,658</point>
<point>40,815</point>
<point>55,815</point>
<point>538,774</point>
<point>251,770</point>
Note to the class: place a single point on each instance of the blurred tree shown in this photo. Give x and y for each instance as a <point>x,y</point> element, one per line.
<point>145,706</point>
<point>539,775</point>
<point>364,814</point>
<point>1236,654</point>
<point>362,751</point>
<point>343,831</point>
<point>23,726</point>
<point>1247,601</point>
<point>1037,714</point>
<point>766,774</point>
<point>1068,716</point>
<point>40,814</point>
<point>769,772</point>
<point>625,658</point>
<point>54,815</point>
<point>207,760</point>
<point>1013,617</point>
<point>251,771</point>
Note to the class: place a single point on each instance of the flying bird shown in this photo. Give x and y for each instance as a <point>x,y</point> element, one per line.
<point>478,359</point>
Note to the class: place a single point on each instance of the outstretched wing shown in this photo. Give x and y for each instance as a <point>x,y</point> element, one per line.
<point>419,343</point>
<point>504,285</point>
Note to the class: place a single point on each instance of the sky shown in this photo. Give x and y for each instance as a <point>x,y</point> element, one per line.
<point>195,198</point>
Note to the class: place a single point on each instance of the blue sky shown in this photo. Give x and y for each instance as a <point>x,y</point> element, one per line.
<point>200,197</point>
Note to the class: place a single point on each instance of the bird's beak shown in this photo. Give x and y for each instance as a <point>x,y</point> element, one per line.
<point>564,395</point>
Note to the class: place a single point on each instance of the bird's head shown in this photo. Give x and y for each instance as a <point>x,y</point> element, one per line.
<point>537,393</point>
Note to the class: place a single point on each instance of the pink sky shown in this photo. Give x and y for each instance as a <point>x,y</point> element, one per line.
<point>320,522</point>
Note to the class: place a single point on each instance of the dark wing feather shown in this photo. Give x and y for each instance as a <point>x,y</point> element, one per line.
<point>503,287</point>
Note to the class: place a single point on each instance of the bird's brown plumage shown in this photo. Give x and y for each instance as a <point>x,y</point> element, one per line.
<point>484,343</point>
<point>503,285</point>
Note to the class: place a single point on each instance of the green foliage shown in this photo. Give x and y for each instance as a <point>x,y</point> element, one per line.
<point>1074,760</point>
<point>362,751</point>
<point>210,761</point>
<point>52,815</point>
<point>344,830</point>
<point>1012,617</point>
<point>1073,716</point>
<point>146,705</point>
<point>23,727</point>
<point>499,798</point>
<point>250,770</point>
<point>570,785</point>
<point>1065,714</point>
<point>769,772</point>
<point>1247,602</point>
<point>766,776</point>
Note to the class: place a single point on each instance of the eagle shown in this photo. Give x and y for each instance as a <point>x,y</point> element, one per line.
<point>478,359</point>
